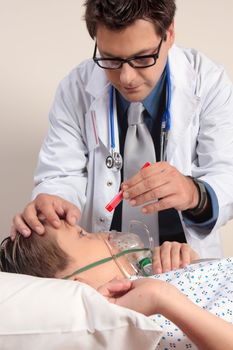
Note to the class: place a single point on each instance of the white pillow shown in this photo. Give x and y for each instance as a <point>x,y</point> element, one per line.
<point>45,314</point>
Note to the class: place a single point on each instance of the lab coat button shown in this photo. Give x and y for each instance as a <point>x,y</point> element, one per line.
<point>109,183</point>
<point>102,219</point>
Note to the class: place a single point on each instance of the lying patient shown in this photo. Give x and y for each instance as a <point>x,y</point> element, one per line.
<point>61,252</point>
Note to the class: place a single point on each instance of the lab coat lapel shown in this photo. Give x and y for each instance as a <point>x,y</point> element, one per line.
<point>105,182</point>
<point>184,102</point>
<point>97,117</point>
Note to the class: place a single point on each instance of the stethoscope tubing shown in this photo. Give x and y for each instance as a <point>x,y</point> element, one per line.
<point>112,128</point>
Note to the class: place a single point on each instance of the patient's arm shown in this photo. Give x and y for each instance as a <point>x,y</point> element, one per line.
<point>172,255</point>
<point>150,296</point>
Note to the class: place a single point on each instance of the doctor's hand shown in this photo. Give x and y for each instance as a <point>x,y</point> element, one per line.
<point>172,255</point>
<point>160,186</point>
<point>44,207</point>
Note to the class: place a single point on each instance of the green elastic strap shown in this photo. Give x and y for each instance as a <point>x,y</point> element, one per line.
<point>103,261</point>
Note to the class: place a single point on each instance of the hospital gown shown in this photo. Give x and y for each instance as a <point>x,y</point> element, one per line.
<point>208,284</point>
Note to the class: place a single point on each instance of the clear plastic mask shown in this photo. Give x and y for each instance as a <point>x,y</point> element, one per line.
<point>130,246</point>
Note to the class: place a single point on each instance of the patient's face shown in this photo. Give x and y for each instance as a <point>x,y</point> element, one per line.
<point>83,249</point>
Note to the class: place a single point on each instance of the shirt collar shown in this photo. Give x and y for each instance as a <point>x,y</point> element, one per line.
<point>151,102</point>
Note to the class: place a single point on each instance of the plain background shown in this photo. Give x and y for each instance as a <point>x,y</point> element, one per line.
<point>41,41</point>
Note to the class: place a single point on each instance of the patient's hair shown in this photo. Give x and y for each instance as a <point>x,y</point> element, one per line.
<point>35,255</point>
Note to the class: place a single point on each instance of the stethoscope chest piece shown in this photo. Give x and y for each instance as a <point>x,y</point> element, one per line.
<point>114,161</point>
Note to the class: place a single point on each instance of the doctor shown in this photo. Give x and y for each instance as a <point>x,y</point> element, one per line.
<point>135,58</point>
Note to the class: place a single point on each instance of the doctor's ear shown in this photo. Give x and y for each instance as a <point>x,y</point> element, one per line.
<point>170,34</point>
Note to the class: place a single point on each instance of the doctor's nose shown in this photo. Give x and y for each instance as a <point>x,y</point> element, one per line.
<point>127,74</point>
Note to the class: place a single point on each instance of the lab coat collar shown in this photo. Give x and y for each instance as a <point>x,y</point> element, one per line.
<point>98,82</point>
<point>184,101</point>
<point>182,73</point>
<point>97,117</point>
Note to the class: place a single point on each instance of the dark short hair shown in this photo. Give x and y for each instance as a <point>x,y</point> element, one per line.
<point>35,255</point>
<point>118,14</point>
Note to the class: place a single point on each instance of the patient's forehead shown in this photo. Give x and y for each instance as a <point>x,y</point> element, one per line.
<point>57,233</point>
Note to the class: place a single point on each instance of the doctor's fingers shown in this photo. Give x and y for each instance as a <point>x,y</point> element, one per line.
<point>21,225</point>
<point>72,213</point>
<point>154,170</point>
<point>153,182</point>
<point>55,208</point>
<point>152,194</point>
<point>177,201</point>
<point>40,209</point>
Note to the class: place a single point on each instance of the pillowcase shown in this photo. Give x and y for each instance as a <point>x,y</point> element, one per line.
<point>48,314</point>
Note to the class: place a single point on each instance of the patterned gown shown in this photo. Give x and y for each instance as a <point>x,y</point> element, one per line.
<point>208,284</point>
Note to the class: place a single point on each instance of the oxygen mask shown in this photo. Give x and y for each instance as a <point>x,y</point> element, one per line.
<point>131,251</point>
<point>136,246</point>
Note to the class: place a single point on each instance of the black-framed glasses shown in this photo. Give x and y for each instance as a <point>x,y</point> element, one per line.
<point>142,61</point>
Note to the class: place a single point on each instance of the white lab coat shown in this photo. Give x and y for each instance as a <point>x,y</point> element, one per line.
<point>72,158</point>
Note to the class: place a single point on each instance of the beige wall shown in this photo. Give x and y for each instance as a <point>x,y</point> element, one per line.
<point>41,40</point>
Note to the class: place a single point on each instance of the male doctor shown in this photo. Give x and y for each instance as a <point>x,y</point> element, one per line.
<point>190,187</point>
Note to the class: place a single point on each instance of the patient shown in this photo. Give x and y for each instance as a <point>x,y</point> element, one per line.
<point>62,251</point>
<point>68,249</point>
<point>59,252</point>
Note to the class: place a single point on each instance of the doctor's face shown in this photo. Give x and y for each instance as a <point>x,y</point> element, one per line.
<point>137,39</point>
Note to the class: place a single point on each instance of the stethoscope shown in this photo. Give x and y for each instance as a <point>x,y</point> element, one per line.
<point>115,160</point>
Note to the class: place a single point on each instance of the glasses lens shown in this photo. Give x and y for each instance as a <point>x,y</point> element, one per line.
<point>141,62</point>
<point>109,64</point>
